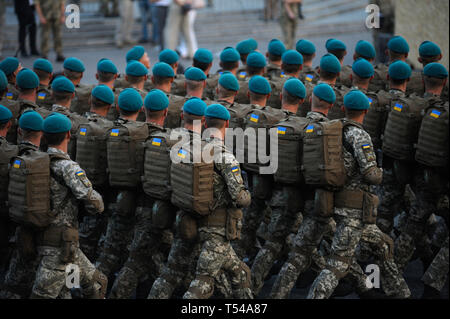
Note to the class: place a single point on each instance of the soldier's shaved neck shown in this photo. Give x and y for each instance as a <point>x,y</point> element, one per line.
<point>258,99</point>
<point>190,120</point>
<point>320,106</point>
<point>434,85</point>
<point>28,95</point>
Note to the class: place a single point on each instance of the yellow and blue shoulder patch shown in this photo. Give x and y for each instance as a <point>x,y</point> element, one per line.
<point>242,74</point>
<point>398,107</point>
<point>17,163</point>
<point>254,118</point>
<point>366,146</point>
<point>370,101</point>
<point>79,173</point>
<point>41,96</point>
<point>282,75</point>
<point>235,169</point>
<point>83,131</point>
<point>309,77</point>
<point>435,114</point>
<point>115,132</point>
<point>156,142</point>
<point>281,130</point>
<point>9,96</point>
<point>182,153</point>
<point>310,129</point>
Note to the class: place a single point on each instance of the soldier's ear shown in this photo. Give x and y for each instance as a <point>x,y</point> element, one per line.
<point>68,135</point>
<point>281,96</point>
<point>372,77</point>
<point>227,124</point>
<point>116,76</point>
<point>73,95</point>
<point>166,111</point>
<point>351,77</point>
<point>96,76</point>
<point>236,93</point>
<point>440,57</point>
<point>420,60</point>
<point>204,84</point>
<point>301,67</point>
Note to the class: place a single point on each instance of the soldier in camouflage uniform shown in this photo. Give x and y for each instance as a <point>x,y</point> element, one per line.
<point>229,61</point>
<point>216,230</point>
<point>136,53</point>
<point>51,15</point>
<point>436,274</point>
<point>308,51</point>
<point>274,52</point>
<point>289,21</point>
<point>256,65</point>
<point>11,67</point>
<point>68,185</point>
<point>44,70</point>
<point>73,70</point>
<point>244,48</point>
<point>107,74</point>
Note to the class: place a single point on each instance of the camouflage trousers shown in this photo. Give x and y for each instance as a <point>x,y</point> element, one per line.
<point>53,25</point>
<point>51,275</point>
<point>289,26</point>
<point>287,203</point>
<point>436,274</point>
<point>217,255</point>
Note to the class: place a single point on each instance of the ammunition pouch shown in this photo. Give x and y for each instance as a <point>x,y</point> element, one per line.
<point>69,245</point>
<point>234,223</point>
<point>186,226</point>
<point>218,218</point>
<point>102,280</point>
<point>163,214</point>
<point>346,260</point>
<point>323,203</point>
<point>357,199</point>
<point>389,254</point>
<point>370,206</point>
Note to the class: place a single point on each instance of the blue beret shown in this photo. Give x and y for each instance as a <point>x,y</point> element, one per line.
<point>330,63</point>
<point>428,48</point>
<point>106,66</point>
<point>135,54</point>
<point>195,106</point>
<point>365,49</point>
<point>43,65</point>
<point>74,64</point>
<point>305,47</point>
<point>5,114</point>
<point>3,81</point>
<point>217,111</point>
<point>260,85</point>
<point>229,81</point>
<point>9,65</point>
<point>276,47</point>
<point>168,56</point>
<point>325,92</point>
<point>335,45</point>
<point>156,100</point>
<point>292,57</point>
<point>63,84</point>
<point>27,79</point>
<point>230,55</point>
<point>136,68</point>
<point>398,44</point>
<point>195,74</point>
<point>130,100</point>
<point>32,121</point>
<point>57,123</point>
<point>247,46</point>
<point>203,55</point>
<point>435,70</point>
<point>399,70</point>
<point>103,93</point>
<point>295,87</point>
<point>256,60</point>
<point>164,70</point>
<point>356,100</point>
<point>363,68</point>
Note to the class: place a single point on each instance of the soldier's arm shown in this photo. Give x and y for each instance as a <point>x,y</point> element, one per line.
<point>63,11</point>
<point>37,6</point>
<point>231,173</point>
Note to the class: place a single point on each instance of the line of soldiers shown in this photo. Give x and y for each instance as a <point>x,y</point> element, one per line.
<point>362,174</point>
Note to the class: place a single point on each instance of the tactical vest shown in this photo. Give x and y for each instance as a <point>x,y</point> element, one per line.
<point>305,108</point>
<point>80,104</point>
<point>375,119</point>
<point>290,150</point>
<point>379,81</point>
<point>125,153</point>
<point>7,151</point>
<point>91,149</point>
<point>157,162</point>
<point>323,163</point>
<point>192,183</point>
<point>14,107</point>
<point>173,119</point>
<point>277,88</point>
<point>402,127</point>
<point>432,146</point>
<point>415,84</point>
<point>344,76</point>
<point>336,112</point>
<point>238,112</point>
<point>242,96</point>
<point>44,98</point>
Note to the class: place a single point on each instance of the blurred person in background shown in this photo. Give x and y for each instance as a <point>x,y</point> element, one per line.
<point>159,9</point>
<point>125,26</point>
<point>25,12</point>
<point>289,21</point>
<point>271,9</point>
<point>146,15</point>
<point>104,8</point>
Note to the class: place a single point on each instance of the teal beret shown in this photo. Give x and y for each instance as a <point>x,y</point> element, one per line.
<point>5,114</point>
<point>398,44</point>
<point>306,47</point>
<point>276,47</point>
<point>229,81</point>
<point>295,87</point>
<point>168,56</point>
<point>103,93</point>
<point>230,55</point>
<point>365,49</point>
<point>107,66</point>
<point>204,56</point>
<point>32,121</point>
<point>356,100</point>
<point>335,45</point>
<point>428,48</point>
<point>63,84</point>
<point>363,68</point>
<point>164,70</point>
<point>156,100</point>
<point>435,70</point>
<point>330,63</point>
<point>3,81</point>
<point>399,70</point>
<point>256,60</point>
<point>217,111</point>
<point>27,79</point>
<point>292,57</point>
<point>57,123</point>
<point>9,65</point>
<point>195,106</point>
<point>74,64</point>
<point>195,74</point>
<point>260,85</point>
<point>130,100</point>
<point>43,65</point>
<point>325,92</point>
<point>135,54</point>
<point>136,68</point>
<point>247,46</point>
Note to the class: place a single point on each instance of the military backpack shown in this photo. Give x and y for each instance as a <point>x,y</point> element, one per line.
<point>375,119</point>
<point>7,151</point>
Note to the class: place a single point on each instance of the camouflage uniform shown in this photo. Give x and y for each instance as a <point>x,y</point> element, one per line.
<point>273,71</point>
<point>68,184</point>
<point>217,253</point>
<point>80,103</point>
<point>435,276</point>
<point>13,92</point>
<point>44,97</point>
<point>309,74</point>
<point>288,26</point>
<point>51,10</point>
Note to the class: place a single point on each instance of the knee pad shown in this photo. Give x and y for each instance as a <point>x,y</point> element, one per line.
<point>202,287</point>
<point>126,203</point>
<point>102,280</point>
<point>163,214</point>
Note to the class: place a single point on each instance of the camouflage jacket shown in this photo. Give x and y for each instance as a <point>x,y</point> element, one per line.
<point>80,104</point>
<point>273,71</point>
<point>26,146</point>
<point>44,97</point>
<point>13,93</point>
<point>309,74</point>
<point>316,117</point>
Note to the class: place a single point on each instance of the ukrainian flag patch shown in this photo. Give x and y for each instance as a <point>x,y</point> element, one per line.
<point>83,131</point>
<point>309,77</point>
<point>281,130</point>
<point>235,169</point>
<point>310,129</point>
<point>435,114</point>
<point>242,75</point>
<point>366,146</point>
<point>156,142</point>
<point>79,173</point>
<point>282,75</point>
<point>41,96</point>
<point>17,163</point>
<point>398,107</point>
<point>254,118</point>
<point>9,96</point>
<point>115,132</point>
<point>182,153</point>
<point>370,101</point>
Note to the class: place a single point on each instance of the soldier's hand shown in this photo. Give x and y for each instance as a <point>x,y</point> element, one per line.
<point>43,20</point>
<point>63,19</point>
